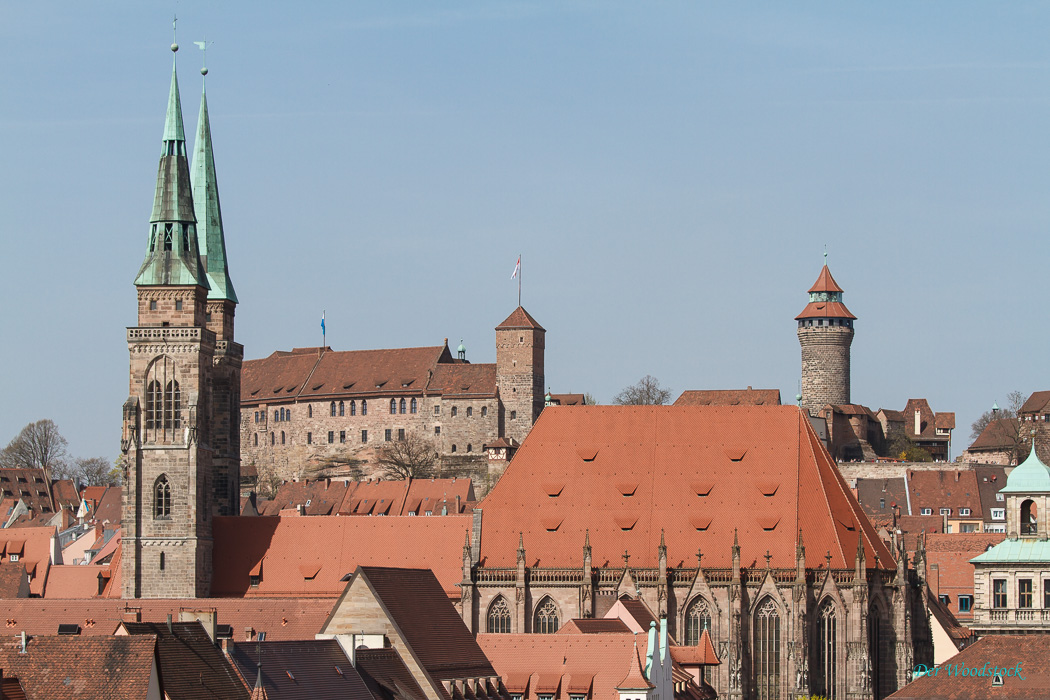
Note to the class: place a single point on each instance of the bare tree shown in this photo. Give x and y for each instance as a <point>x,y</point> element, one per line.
<point>411,458</point>
<point>94,471</point>
<point>38,445</point>
<point>1014,401</point>
<point>647,392</point>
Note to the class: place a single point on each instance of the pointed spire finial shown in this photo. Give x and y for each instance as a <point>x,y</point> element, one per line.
<point>699,558</point>
<point>174,33</point>
<point>825,253</point>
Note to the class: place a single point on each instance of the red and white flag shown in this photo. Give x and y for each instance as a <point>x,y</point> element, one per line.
<point>517,269</point>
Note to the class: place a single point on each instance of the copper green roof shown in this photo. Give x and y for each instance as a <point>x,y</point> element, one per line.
<point>1016,551</point>
<point>171,251</point>
<point>1031,476</point>
<point>210,239</point>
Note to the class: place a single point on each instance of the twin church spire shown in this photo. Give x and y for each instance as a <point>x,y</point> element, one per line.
<point>186,245</point>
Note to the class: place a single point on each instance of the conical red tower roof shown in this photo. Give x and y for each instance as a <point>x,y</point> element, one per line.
<point>825,282</point>
<point>635,679</point>
<point>825,299</point>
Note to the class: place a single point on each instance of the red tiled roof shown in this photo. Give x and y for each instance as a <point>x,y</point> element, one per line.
<point>339,544</point>
<point>93,493</point>
<point>36,552</point>
<point>65,493</point>
<point>943,488</point>
<point>428,622</point>
<point>108,510</point>
<point>519,318</point>
<point>947,620</point>
<point>74,581</point>
<point>280,619</point>
<point>999,434</point>
<point>668,451</point>
<point>1037,402</point>
<point>386,675</point>
<point>31,485</point>
<point>73,667</point>
<point>891,415</point>
<point>1027,651</point>
<point>729,397</point>
<point>191,666</point>
<point>825,309</point>
<point>569,399</point>
<point>825,282</point>
<point>594,626</point>
<point>944,420</point>
<point>927,420</point>
<point>319,669</point>
<point>703,654</point>
<point>14,583</point>
<point>464,380</point>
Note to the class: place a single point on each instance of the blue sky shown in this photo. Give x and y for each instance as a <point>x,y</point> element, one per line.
<point>670,173</point>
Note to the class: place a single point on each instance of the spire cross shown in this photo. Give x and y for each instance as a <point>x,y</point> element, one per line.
<point>626,558</point>
<point>827,558</point>
<point>699,558</point>
<point>768,557</point>
<point>174,29</point>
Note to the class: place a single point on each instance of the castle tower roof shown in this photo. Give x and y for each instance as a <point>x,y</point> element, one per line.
<point>519,318</point>
<point>210,239</point>
<point>1031,476</point>
<point>172,254</point>
<point>635,679</point>
<point>825,299</point>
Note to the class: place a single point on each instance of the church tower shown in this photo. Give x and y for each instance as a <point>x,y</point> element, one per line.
<point>180,419</point>
<point>825,332</point>
<point>519,373</point>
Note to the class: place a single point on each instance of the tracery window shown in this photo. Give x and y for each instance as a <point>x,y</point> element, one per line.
<point>499,616</point>
<point>767,650</point>
<point>163,414</point>
<point>881,650</point>
<point>162,498</point>
<point>546,621</point>
<point>697,619</point>
<point>827,656</point>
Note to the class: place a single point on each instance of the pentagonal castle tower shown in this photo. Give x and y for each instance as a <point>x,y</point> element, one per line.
<point>825,332</point>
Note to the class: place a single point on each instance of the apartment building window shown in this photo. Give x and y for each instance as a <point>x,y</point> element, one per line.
<point>331,436</point>
<point>386,435</point>
<point>999,593</point>
<point>946,600</point>
<point>400,433</point>
<point>965,603</point>
<point>998,513</point>
<point>1000,497</point>
<point>309,438</point>
<point>1024,593</point>
<point>964,511</point>
<point>967,527</point>
<point>364,436</point>
<point>926,511</point>
<point>342,436</point>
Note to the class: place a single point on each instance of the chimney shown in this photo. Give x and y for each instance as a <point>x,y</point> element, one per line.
<point>249,633</point>
<point>918,423</point>
<point>132,615</point>
<point>459,507</point>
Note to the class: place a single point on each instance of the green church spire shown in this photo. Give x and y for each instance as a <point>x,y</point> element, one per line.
<point>171,254</point>
<point>210,239</point>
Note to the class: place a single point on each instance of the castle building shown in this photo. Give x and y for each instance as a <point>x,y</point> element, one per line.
<point>825,332</point>
<point>315,407</point>
<point>180,441</point>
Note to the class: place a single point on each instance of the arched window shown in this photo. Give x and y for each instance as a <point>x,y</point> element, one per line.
<point>470,448</point>
<point>827,653</point>
<point>163,401</point>
<point>882,652</point>
<point>1029,517</point>
<point>162,498</point>
<point>276,416</point>
<point>172,406</point>
<point>402,406</point>
<point>413,407</point>
<point>273,439</point>
<point>342,409</point>
<point>310,410</point>
<point>454,411</point>
<point>154,403</point>
<point>499,616</point>
<point>484,411</point>
<point>546,621</point>
<point>353,408</point>
<point>767,650</point>
<point>332,409</point>
<point>393,406</point>
<point>364,407</point>
<point>697,619</point>
<point>470,411</point>
<point>162,561</point>
<point>453,448</point>
<point>256,440</point>
<point>282,437</point>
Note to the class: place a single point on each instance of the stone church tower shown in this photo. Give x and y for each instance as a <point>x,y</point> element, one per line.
<point>519,373</point>
<point>180,435</point>
<point>825,332</point>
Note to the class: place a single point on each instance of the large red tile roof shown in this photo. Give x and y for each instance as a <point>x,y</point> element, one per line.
<point>944,488</point>
<point>109,507</point>
<point>825,282</point>
<point>31,485</point>
<point>825,309</point>
<point>280,618</point>
<point>519,318</point>
<point>999,434</point>
<point>72,667</point>
<point>627,474</point>
<point>304,557</point>
<point>191,666</point>
<point>301,670</point>
<point>729,397</point>
<point>74,581</point>
<point>35,546</point>
<point>949,571</point>
<point>577,662</point>
<point>1036,403</point>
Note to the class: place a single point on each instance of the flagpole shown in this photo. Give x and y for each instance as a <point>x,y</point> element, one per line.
<point>519,281</point>
<point>322,329</point>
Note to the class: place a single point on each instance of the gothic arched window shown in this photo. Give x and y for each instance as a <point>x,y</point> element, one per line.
<point>767,650</point>
<point>163,401</point>
<point>162,498</point>
<point>332,409</point>
<point>499,616</point>
<point>413,407</point>
<point>342,408</point>
<point>546,620</point>
<point>881,652</point>
<point>364,407</point>
<point>276,416</point>
<point>353,408</point>
<point>393,406</point>
<point>827,655</point>
<point>310,410</point>
<point>697,619</point>
<point>402,406</point>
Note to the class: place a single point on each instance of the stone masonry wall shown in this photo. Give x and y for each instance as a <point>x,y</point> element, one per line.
<point>825,366</point>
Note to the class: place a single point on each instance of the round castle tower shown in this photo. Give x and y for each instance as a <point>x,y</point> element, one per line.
<point>825,332</point>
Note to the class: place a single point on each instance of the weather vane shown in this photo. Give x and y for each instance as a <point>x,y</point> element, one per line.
<point>203,46</point>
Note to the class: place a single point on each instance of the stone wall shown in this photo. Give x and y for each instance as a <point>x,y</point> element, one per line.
<point>825,366</point>
<point>851,471</point>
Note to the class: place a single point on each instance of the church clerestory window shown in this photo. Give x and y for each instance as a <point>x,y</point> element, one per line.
<point>162,498</point>
<point>546,620</point>
<point>697,619</point>
<point>499,616</point>
<point>827,651</point>
<point>767,651</point>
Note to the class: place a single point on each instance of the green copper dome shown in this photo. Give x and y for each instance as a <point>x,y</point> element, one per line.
<point>1031,476</point>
